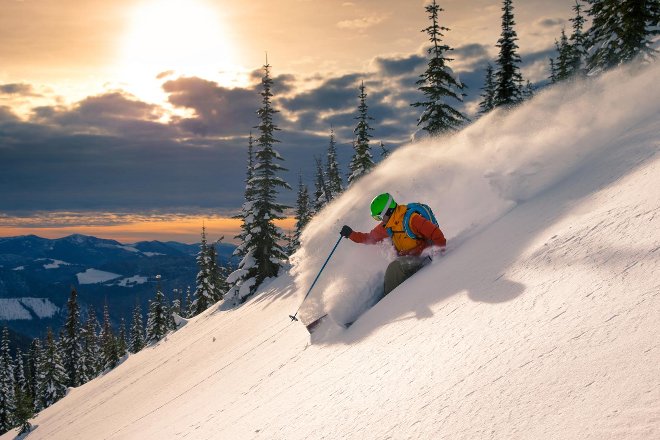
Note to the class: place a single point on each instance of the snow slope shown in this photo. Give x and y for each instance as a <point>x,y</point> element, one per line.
<point>541,321</point>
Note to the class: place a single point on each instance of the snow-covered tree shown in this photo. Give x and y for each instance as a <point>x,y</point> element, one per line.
<point>136,342</point>
<point>334,181</point>
<point>438,83</point>
<point>246,215</point>
<point>488,96</point>
<point>321,192</point>
<point>205,291</point>
<point>263,250</point>
<point>52,375</point>
<point>190,305</point>
<point>578,41</point>
<point>217,273</point>
<point>508,79</point>
<point>122,343</point>
<point>109,353</point>
<point>24,400</point>
<point>564,60</point>
<point>90,359</point>
<point>70,341</point>
<point>362,161</point>
<point>158,318</point>
<point>303,213</point>
<point>621,30</point>
<point>7,393</point>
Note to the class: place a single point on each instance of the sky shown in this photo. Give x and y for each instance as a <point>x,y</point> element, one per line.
<point>130,119</point>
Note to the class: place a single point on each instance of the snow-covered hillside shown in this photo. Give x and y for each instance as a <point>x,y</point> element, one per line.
<point>541,322</point>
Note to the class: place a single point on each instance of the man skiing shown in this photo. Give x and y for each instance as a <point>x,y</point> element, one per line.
<point>412,229</point>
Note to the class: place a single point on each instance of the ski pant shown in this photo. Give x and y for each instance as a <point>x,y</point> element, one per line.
<point>400,270</point>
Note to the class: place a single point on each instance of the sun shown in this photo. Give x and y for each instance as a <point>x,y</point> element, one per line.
<point>187,37</point>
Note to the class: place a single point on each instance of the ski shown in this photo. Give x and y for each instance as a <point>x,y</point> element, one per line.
<point>314,324</point>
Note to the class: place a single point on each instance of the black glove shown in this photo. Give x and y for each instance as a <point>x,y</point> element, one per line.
<point>345,231</point>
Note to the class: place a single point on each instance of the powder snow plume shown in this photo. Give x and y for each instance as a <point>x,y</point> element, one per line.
<point>472,178</point>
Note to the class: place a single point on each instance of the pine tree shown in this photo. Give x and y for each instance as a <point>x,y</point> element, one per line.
<point>24,400</point>
<point>157,319</point>
<point>262,250</point>
<point>7,393</point>
<point>303,213</point>
<point>109,353</point>
<point>122,343</point>
<point>321,192</point>
<point>246,215</point>
<point>53,376</point>
<point>362,161</point>
<point>620,31</point>
<point>218,281</point>
<point>70,341</point>
<point>90,360</point>
<point>528,91</point>
<point>34,354</point>
<point>438,83</point>
<point>508,80</point>
<point>563,68</point>
<point>190,304</point>
<point>553,71</point>
<point>488,96</point>
<point>137,329</point>
<point>205,291</point>
<point>334,180</point>
<point>578,41</point>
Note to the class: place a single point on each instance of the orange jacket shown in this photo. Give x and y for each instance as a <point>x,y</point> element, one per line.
<point>430,233</point>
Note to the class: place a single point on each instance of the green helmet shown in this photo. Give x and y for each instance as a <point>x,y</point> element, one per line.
<point>382,206</point>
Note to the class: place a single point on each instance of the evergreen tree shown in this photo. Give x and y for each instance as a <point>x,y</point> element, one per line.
<point>137,329</point>
<point>621,30</point>
<point>362,161</point>
<point>190,304</point>
<point>578,41</point>
<point>53,376</point>
<point>205,291</point>
<point>564,65</point>
<point>24,399</point>
<point>157,320</point>
<point>7,393</point>
<point>553,71</point>
<point>508,80</point>
<point>34,354</point>
<point>321,192</point>
<point>263,251</point>
<point>218,281</point>
<point>109,352</point>
<point>488,96</point>
<point>334,180</point>
<point>246,215</point>
<point>70,341</point>
<point>303,213</point>
<point>438,83</point>
<point>122,343</point>
<point>90,360</point>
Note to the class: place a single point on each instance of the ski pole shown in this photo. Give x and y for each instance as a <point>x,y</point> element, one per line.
<point>293,317</point>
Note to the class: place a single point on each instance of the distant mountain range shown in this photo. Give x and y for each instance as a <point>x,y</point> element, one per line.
<point>37,274</point>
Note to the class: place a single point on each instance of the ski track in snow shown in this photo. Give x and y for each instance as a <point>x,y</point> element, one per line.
<point>541,322</point>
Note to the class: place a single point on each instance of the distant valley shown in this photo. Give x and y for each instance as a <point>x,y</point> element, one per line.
<point>37,275</point>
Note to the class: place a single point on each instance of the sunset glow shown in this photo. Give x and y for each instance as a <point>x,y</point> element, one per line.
<point>130,230</point>
<point>185,37</point>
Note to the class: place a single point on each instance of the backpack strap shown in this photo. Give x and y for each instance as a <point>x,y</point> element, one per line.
<point>421,209</point>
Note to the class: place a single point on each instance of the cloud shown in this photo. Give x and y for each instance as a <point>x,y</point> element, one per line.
<point>550,22</point>
<point>361,24</point>
<point>17,89</point>
<point>399,66</point>
<point>218,110</point>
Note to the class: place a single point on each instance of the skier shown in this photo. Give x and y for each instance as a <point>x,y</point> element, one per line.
<point>412,229</point>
